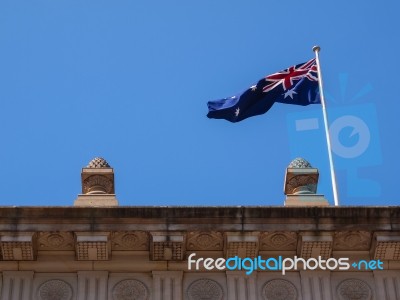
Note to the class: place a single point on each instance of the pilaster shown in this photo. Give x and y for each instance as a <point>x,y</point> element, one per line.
<point>241,286</point>
<point>17,285</point>
<point>387,284</point>
<point>92,285</point>
<point>167,285</point>
<point>316,285</point>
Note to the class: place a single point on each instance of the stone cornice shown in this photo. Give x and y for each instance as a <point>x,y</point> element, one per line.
<point>216,215</point>
<point>167,233</point>
<point>199,211</point>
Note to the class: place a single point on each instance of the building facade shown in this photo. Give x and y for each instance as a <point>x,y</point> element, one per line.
<point>97,250</point>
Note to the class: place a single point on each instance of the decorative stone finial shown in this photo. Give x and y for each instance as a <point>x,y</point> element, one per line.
<point>98,180</point>
<point>97,184</point>
<point>301,181</point>
<point>97,163</point>
<point>301,178</point>
<point>299,163</point>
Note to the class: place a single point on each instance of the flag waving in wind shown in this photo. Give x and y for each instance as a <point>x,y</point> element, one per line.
<point>295,85</point>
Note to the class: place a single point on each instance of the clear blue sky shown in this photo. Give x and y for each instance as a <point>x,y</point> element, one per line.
<point>129,81</point>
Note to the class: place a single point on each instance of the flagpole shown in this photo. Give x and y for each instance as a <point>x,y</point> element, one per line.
<point>316,49</point>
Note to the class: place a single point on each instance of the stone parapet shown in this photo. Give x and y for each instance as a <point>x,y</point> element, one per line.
<point>103,253</point>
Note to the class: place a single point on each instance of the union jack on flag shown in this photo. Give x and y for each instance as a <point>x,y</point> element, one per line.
<point>287,77</point>
<point>295,85</point>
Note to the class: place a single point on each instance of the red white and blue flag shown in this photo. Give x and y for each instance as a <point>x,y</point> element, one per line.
<point>296,85</point>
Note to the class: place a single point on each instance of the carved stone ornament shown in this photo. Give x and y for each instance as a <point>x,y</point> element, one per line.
<point>21,246</point>
<point>387,250</point>
<point>98,163</point>
<point>352,240</point>
<point>298,182</point>
<point>279,289</point>
<point>55,289</point>
<point>242,249</point>
<point>96,184</point>
<point>130,289</point>
<point>167,251</point>
<point>278,240</point>
<point>130,240</point>
<point>198,240</point>
<point>56,241</point>
<point>299,163</point>
<point>205,289</point>
<point>354,289</point>
<point>99,248</point>
<point>314,249</point>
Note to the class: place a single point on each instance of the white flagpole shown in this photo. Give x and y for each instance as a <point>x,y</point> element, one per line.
<point>316,49</point>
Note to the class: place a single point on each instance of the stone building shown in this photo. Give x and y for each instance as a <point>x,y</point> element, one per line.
<point>97,250</point>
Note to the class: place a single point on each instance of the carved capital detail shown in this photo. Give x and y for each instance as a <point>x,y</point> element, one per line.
<point>299,181</point>
<point>278,240</point>
<point>201,240</point>
<point>130,240</point>
<point>98,183</point>
<point>56,241</point>
<point>352,240</point>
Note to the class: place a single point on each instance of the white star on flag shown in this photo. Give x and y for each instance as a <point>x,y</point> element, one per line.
<point>237,111</point>
<point>290,93</point>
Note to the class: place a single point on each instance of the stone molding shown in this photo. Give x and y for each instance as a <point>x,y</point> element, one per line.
<point>312,245</point>
<point>167,246</point>
<point>172,245</point>
<point>178,285</point>
<point>386,246</point>
<point>18,245</point>
<point>92,245</point>
<point>241,244</point>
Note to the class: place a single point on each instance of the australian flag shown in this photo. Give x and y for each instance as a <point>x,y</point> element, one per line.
<point>295,85</point>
